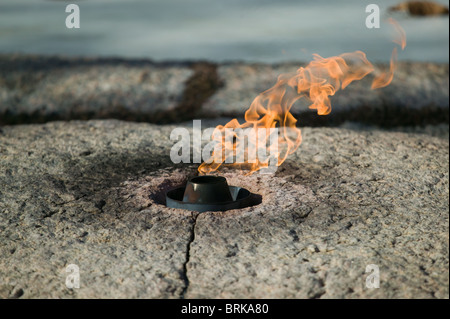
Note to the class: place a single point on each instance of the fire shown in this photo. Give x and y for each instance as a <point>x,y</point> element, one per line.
<point>315,84</point>
<point>385,78</point>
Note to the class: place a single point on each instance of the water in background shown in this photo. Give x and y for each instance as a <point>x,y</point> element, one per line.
<point>251,30</point>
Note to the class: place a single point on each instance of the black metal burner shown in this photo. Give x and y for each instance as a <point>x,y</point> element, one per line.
<point>208,193</point>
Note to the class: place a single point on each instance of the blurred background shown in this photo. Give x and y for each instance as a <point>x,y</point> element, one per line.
<point>251,30</point>
<point>170,61</point>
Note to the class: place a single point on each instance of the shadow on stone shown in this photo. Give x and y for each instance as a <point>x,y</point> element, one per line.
<point>384,116</point>
<point>160,196</point>
<point>106,171</point>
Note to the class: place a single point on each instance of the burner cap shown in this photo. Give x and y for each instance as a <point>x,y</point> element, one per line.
<point>208,193</point>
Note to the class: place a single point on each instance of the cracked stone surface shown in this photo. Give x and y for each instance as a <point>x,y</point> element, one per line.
<point>91,194</point>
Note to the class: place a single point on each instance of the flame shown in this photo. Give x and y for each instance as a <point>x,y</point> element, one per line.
<point>385,78</point>
<point>315,84</point>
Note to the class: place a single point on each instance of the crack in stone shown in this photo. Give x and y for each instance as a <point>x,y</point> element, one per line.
<point>188,256</point>
<point>70,201</point>
<point>319,294</point>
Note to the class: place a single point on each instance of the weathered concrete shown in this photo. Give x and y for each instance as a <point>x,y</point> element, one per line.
<point>36,89</point>
<point>90,193</point>
<point>60,204</point>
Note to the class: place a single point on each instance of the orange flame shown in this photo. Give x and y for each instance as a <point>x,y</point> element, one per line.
<point>385,78</point>
<point>315,83</point>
